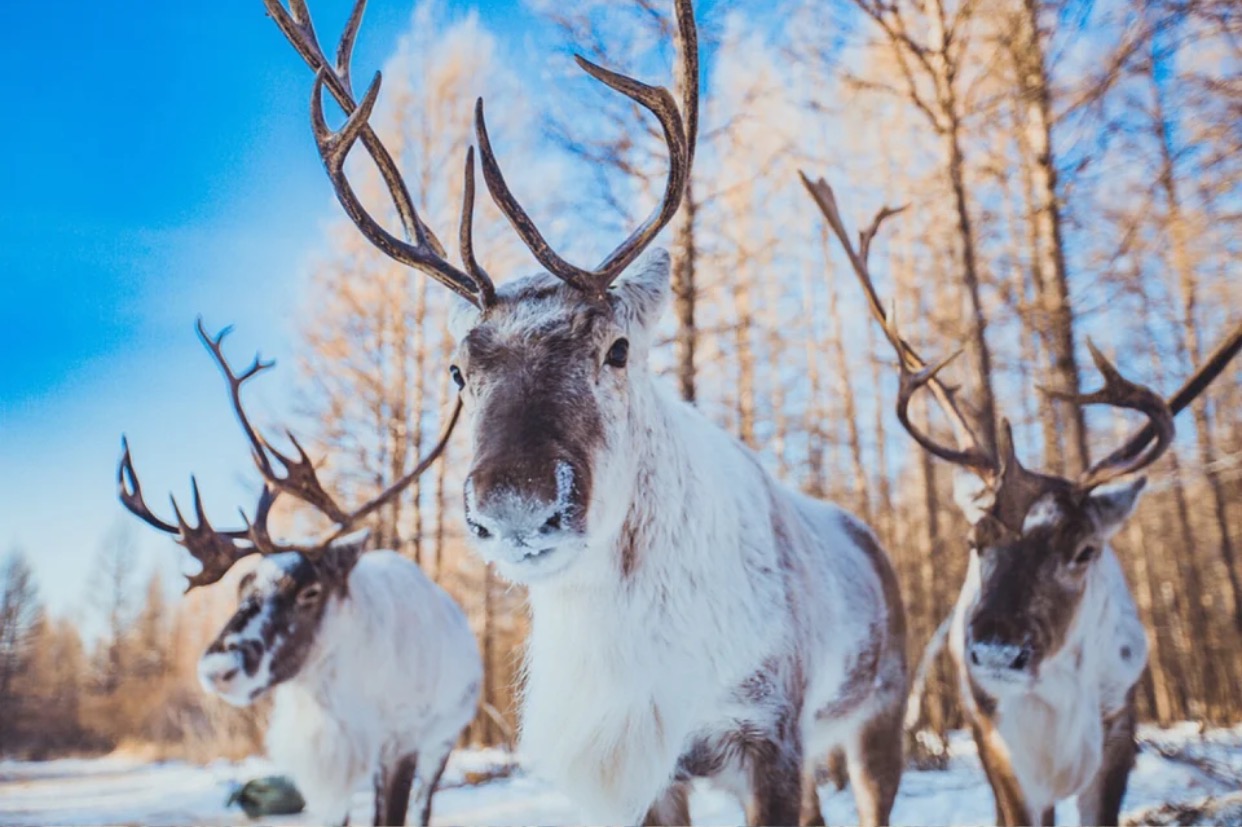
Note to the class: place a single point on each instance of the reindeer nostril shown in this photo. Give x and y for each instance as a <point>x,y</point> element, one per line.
<point>228,676</point>
<point>1021,661</point>
<point>552,523</point>
<point>974,657</point>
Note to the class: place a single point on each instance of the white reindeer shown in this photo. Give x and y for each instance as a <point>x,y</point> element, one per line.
<point>690,615</point>
<point>1045,634</point>
<point>373,669</point>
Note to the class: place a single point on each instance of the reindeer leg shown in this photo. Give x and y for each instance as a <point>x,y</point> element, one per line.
<point>393,799</point>
<point>433,763</point>
<point>874,758</point>
<point>671,808</point>
<point>1011,809</point>
<point>381,798</point>
<point>1100,803</point>
<point>776,783</point>
<point>811,815</point>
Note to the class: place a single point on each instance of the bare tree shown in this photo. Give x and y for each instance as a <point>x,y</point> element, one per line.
<point>112,596</point>
<point>1024,41</point>
<point>931,68</point>
<point>1176,229</point>
<point>20,616</point>
<point>640,27</point>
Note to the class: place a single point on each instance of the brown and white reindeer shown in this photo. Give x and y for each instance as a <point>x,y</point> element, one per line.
<point>373,669</point>
<point>691,617</point>
<point>1045,634</point>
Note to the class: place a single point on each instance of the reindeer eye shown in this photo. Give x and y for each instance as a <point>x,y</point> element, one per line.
<point>455,372</point>
<point>1085,555</point>
<point>618,353</point>
<point>310,594</point>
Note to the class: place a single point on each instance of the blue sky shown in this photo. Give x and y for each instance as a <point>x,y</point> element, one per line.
<point>156,164</point>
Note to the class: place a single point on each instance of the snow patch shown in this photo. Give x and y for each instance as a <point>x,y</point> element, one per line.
<point>110,790</point>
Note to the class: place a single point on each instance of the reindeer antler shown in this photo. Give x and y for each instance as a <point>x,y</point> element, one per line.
<point>680,135</point>
<point>1120,392</point>
<point>219,550</point>
<point>1016,488</point>
<point>423,251</point>
<point>915,372</point>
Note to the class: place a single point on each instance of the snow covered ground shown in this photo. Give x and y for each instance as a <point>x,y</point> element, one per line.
<point>1176,765</point>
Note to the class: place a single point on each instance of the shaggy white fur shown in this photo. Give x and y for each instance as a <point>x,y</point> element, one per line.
<point>393,671</point>
<point>730,576</point>
<point>1052,730</point>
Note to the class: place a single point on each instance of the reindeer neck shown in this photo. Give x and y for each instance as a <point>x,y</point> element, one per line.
<point>684,488</point>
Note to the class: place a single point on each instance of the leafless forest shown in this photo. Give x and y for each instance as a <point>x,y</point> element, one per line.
<point>1072,170</point>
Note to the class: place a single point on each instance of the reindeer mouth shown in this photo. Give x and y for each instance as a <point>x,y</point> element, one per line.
<point>1002,681</point>
<point>536,554</point>
<point>530,564</point>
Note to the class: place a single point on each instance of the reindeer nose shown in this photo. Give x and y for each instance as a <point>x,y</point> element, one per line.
<point>521,507</point>
<point>217,670</point>
<point>221,680</point>
<point>995,655</point>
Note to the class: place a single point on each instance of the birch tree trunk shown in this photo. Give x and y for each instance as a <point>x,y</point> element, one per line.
<point>1049,254</point>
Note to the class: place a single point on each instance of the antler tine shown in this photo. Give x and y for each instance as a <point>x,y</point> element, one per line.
<point>688,75</point>
<point>424,252</point>
<point>301,481</point>
<point>215,346</point>
<point>217,551</point>
<point>334,148</point>
<point>487,291</point>
<point>345,49</point>
<point>1190,390</point>
<point>915,372</point>
<point>1122,393</point>
<point>865,236</point>
<point>517,215</point>
<point>256,529</point>
<point>663,105</point>
<point>296,25</point>
<point>910,382</point>
<point>300,32</point>
<point>680,135</point>
<point>299,478</point>
<point>130,492</point>
<point>1017,488</point>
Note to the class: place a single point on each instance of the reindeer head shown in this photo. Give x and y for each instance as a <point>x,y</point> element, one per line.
<point>284,600</point>
<point>549,365</point>
<point>280,608</point>
<point>1036,542</point>
<point>1036,539</point>
<point>548,381</point>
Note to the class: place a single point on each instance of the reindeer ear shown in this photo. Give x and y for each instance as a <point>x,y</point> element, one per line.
<point>973,496</point>
<point>640,294</point>
<point>1112,504</point>
<point>339,559</point>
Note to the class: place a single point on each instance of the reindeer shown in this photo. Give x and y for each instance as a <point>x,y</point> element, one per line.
<point>1045,635</point>
<point>373,669</point>
<point>691,617</point>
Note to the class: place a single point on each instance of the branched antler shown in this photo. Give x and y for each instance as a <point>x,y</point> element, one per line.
<point>1014,487</point>
<point>218,550</point>
<point>680,135</point>
<point>1120,392</point>
<point>423,251</point>
<point>915,372</point>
